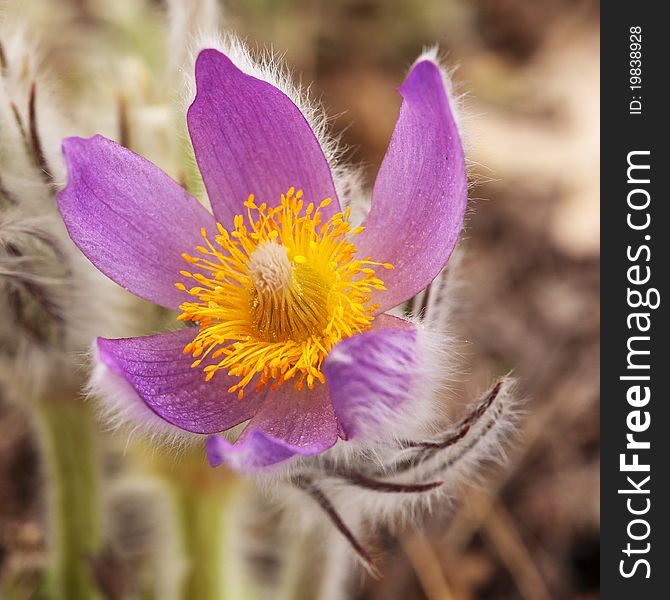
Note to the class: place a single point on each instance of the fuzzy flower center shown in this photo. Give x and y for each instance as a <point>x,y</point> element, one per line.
<point>273,296</point>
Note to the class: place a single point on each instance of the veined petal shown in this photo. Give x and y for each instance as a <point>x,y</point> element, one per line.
<point>249,137</point>
<point>165,382</point>
<point>289,423</point>
<point>420,195</point>
<point>129,218</point>
<point>372,377</point>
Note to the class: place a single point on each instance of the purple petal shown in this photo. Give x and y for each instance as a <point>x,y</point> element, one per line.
<point>419,198</point>
<point>256,450</point>
<point>249,137</point>
<point>164,380</point>
<point>129,218</point>
<point>370,375</point>
<point>387,321</point>
<point>290,422</point>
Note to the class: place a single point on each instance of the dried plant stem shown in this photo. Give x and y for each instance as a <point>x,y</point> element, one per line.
<point>70,459</point>
<point>501,532</point>
<point>35,139</point>
<point>3,60</point>
<point>124,121</point>
<point>427,566</point>
<point>21,127</point>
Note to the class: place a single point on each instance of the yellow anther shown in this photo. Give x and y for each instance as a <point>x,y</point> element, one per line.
<point>280,290</point>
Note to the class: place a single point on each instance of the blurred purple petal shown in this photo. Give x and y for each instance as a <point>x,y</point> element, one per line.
<point>387,321</point>
<point>163,378</point>
<point>419,198</point>
<point>369,377</point>
<point>254,451</point>
<point>129,218</point>
<point>249,137</point>
<point>290,422</point>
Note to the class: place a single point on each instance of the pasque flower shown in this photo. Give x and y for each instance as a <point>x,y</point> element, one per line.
<point>285,297</point>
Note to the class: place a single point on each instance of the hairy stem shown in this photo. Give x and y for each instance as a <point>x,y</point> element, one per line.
<point>208,530</point>
<point>70,459</point>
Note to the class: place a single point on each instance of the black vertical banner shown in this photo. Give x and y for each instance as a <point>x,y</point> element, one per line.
<point>635,406</point>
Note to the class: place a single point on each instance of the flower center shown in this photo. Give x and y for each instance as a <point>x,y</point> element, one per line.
<point>287,302</point>
<point>273,296</point>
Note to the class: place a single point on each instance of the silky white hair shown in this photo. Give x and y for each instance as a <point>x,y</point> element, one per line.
<point>43,275</point>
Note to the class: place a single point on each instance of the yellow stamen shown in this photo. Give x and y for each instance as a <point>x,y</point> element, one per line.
<point>273,296</point>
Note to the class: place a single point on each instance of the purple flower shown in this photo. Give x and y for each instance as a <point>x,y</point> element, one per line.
<point>286,298</point>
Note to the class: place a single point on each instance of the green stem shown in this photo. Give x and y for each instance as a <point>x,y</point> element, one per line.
<point>208,528</point>
<point>201,520</point>
<point>70,460</point>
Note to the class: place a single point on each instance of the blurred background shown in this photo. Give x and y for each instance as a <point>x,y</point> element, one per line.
<point>529,75</point>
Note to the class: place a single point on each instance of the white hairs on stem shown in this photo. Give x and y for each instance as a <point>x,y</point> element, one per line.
<point>415,477</point>
<point>457,456</point>
<point>56,300</point>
